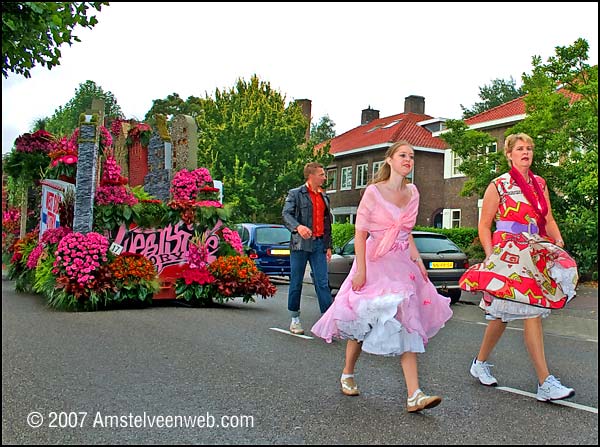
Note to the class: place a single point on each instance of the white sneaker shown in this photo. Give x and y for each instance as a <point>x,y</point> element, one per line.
<point>482,372</point>
<point>296,328</point>
<point>552,389</point>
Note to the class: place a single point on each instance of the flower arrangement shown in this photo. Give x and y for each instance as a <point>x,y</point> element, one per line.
<point>186,185</point>
<point>238,276</point>
<point>42,259</point>
<point>21,250</point>
<point>83,277</point>
<point>39,141</point>
<point>135,278</point>
<point>11,222</point>
<point>63,158</point>
<point>113,198</point>
<point>139,133</point>
<point>195,285</point>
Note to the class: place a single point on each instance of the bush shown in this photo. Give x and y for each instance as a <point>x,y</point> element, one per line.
<point>580,234</point>
<point>341,233</point>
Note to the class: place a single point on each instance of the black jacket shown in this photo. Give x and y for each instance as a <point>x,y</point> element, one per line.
<point>298,210</point>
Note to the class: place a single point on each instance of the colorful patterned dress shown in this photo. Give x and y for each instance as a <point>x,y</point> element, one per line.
<point>396,310</point>
<point>529,273</point>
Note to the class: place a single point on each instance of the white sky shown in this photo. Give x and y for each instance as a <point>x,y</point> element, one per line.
<point>343,56</point>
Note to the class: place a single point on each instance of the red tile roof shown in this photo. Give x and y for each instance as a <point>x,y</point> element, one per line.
<point>508,109</point>
<point>375,133</point>
<point>511,108</point>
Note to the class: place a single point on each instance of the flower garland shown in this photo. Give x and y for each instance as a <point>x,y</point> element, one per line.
<point>112,190</point>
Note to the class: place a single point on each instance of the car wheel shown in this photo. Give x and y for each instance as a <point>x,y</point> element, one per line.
<point>454,295</point>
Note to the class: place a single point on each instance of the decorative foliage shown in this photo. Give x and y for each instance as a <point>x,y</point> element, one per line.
<point>135,278</point>
<point>238,276</point>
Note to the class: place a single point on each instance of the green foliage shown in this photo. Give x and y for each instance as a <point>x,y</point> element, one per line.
<point>173,105</point>
<point>32,32</point>
<point>45,281</point>
<point>25,167</point>
<point>564,124</point>
<point>341,233</point>
<point>322,131</point>
<point>66,118</point>
<point>479,164</point>
<point>497,93</point>
<point>151,214</point>
<point>255,144</point>
<point>463,237</point>
<point>110,217</point>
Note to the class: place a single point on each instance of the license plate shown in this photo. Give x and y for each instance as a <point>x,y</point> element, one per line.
<point>280,252</point>
<point>441,265</point>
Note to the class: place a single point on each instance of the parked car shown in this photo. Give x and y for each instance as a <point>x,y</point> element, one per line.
<point>444,260</point>
<point>268,245</point>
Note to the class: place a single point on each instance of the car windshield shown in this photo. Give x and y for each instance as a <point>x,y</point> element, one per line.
<point>435,244</point>
<point>272,235</point>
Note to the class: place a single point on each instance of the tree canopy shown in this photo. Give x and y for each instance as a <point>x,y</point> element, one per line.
<point>497,93</point>
<point>66,118</point>
<point>255,143</point>
<point>32,32</point>
<point>562,118</point>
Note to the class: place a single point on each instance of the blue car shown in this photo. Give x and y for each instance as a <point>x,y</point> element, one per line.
<point>268,245</point>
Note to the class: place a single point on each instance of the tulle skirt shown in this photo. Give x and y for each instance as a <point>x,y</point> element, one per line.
<point>396,311</point>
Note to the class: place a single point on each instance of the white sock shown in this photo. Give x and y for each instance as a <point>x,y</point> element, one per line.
<point>478,362</point>
<point>415,393</point>
<point>295,319</point>
<point>346,376</point>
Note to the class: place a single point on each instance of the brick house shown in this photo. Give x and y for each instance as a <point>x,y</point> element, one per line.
<point>464,211</point>
<point>359,152</point>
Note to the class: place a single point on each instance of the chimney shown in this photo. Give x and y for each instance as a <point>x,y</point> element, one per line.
<point>306,106</point>
<point>368,115</point>
<point>414,104</point>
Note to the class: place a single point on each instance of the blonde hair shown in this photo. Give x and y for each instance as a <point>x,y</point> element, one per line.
<point>511,141</point>
<point>384,171</point>
<point>311,168</point>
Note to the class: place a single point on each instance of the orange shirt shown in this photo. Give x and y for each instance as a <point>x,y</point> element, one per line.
<point>318,217</point>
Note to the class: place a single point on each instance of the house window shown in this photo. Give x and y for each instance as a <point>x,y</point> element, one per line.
<point>456,162</point>
<point>362,173</point>
<point>346,182</point>
<point>455,219</point>
<point>376,166</point>
<point>331,180</point>
<point>451,218</point>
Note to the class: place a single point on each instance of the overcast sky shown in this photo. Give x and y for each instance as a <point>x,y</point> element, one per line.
<point>344,57</point>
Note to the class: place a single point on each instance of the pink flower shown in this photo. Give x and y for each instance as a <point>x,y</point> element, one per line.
<point>69,159</point>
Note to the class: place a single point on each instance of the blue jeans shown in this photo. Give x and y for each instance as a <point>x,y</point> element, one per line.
<point>318,264</point>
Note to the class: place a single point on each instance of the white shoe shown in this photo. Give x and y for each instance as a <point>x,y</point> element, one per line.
<point>482,372</point>
<point>552,389</point>
<point>421,401</point>
<point>296,328</point>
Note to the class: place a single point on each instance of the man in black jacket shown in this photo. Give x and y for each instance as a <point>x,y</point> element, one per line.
<point>307,215</point>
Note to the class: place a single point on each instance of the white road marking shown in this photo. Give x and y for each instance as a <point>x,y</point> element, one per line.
<point>283,331</point>
<point>557,402</point>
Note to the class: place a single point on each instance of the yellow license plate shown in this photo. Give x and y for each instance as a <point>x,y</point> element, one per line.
<point>441,265</point>
<point>280,252</point>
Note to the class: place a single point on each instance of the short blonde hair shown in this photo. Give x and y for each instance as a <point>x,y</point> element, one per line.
<point>311,168</point>
<point>511,141</point>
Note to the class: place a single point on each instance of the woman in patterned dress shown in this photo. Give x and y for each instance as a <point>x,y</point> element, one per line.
<point>526,271</point>
<point>387,305</point>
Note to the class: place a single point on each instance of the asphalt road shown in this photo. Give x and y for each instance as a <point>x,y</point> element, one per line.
<point>137,376</point>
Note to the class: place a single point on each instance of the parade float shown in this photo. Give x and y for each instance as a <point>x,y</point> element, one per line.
<point>103,241</point>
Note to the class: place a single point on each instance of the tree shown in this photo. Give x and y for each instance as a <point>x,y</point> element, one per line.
<point>32,32</point>
<point>498,93</point>
<point>66,118</point>
<point>322,131</point>
<point>174,105</point>
<point>254,143</point>
<point>562,117</point>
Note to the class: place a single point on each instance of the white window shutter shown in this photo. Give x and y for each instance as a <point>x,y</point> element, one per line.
<point>448,163</point>
<point>447,218</point>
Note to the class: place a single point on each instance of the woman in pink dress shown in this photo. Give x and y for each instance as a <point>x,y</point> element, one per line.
<point>387,305</point>
<point>526,271</point>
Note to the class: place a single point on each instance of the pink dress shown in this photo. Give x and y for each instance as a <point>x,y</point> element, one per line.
<point>396,310</point>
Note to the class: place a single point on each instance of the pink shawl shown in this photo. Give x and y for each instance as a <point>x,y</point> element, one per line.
<point>377,214</point>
